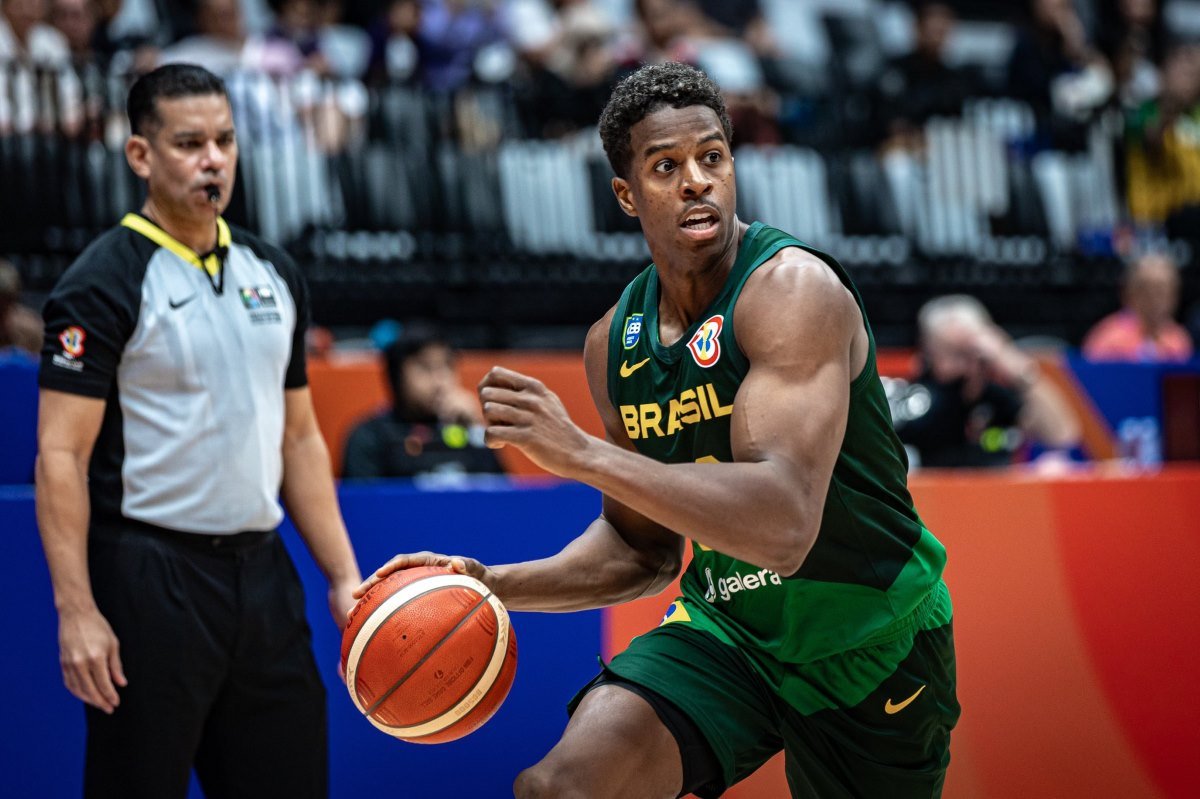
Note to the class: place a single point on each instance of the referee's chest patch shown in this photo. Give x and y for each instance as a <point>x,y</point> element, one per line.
<point>259,301</point>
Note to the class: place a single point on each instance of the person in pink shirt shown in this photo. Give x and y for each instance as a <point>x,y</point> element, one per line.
<point>1144,330</point>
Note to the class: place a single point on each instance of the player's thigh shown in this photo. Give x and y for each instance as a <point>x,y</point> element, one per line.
<point>720,693</point>
<point>895,742</point>
<point>614,746</point>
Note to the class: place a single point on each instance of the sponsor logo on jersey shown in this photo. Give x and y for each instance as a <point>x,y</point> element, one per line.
<point>725,587</point>
<point>633,330</point>
<point>72,341</point>
<point>255,297</point>
<point>705,346</point>
<point>627,369</point>
<point>693,405</point>
<point>256,300</point>
<point>677,612</point>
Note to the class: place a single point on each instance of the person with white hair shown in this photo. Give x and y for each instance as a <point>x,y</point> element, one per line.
<point>979,398</point>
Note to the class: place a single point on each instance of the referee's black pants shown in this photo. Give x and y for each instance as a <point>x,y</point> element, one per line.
<point>217,651</point>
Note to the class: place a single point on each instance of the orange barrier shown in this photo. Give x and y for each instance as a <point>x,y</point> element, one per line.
<point>1075,620</point>
<point>349,388</point>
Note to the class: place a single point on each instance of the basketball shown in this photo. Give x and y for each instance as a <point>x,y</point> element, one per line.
<point>429,654</point>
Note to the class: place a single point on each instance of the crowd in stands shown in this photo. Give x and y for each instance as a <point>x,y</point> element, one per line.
<point>880,129</point>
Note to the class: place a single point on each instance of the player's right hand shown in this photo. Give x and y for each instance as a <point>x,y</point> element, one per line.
<point>458,563</point>
<point>90,656</point>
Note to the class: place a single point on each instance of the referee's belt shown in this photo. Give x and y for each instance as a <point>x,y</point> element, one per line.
<point>201,542</point>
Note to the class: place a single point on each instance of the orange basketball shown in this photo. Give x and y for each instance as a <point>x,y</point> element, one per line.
<point>429,654</point>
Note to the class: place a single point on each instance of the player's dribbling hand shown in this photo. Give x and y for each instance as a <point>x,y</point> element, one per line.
<point>520,410</point>
<point>458,563</point>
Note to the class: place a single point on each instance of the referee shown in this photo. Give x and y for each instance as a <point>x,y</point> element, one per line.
<point>174,413</point>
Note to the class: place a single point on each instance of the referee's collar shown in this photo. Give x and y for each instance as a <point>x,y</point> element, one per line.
<point>210,263</point>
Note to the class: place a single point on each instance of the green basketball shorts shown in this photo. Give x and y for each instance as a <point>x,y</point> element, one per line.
<point>892,742</point>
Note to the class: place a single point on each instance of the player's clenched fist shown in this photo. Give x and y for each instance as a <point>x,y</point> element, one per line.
<point>520,410</point>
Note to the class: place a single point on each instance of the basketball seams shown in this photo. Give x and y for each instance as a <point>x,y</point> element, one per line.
<point>469,700</point>
<point>375,619</point>
<point>432,649</point>
<point>473,707</point>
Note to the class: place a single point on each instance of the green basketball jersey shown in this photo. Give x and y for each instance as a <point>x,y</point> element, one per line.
<point>873,562</point>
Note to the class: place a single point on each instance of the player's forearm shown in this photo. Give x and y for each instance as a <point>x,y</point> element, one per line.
<point>62,516</point>
<point>595,570</point>
<point>308,493</point>
<point>748,511</point>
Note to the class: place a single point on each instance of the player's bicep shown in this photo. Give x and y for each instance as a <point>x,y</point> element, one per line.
<point>794,417</point>
<point>792,407</point>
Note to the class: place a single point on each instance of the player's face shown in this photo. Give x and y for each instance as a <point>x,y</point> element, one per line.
<point>681,182</point>
<point>194,149</point>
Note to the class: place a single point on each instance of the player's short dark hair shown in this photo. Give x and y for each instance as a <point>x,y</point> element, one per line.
<point>172,80</point>
<point>649,89</point>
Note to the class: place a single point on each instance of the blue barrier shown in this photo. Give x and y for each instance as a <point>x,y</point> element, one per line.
<point>18,417</point>
<point>1130,398</point>
<point>41,738</point>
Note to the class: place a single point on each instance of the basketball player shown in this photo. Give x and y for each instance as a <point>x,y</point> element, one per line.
<point>174,410</point>
<point>737,382</point>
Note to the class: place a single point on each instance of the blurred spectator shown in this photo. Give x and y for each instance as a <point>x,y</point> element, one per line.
<point>1133,39</point>
<point>327,48</point>
<point>1162,141</point>
<point>434,426</point>
<point>568,49</point>
<point>20,327</point>
<point>979,399</point>
<point>1054,67</point>
<point>394,54</point>
<point>76,20</point>
<point>25,35</point>
<point>220,43</point>
<point>680,30</point>
<point>28,43</point>
<point>451,35</point>
<point>920,85</point>
<point>1144,330</point>
<point>297,23</point>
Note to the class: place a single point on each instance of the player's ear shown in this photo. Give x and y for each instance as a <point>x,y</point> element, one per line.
<point>137,153</point>
<point>620,187</point>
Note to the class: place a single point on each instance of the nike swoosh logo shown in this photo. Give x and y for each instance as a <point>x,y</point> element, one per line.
<point>176,305</point>
<point>627,370</point>
<point>893,709</point>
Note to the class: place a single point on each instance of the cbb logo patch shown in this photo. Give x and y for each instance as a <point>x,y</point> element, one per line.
<point>705,346</point>
<point>633,330</point>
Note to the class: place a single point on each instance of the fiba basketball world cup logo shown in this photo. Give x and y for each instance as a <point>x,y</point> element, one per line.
<point>705,345</point>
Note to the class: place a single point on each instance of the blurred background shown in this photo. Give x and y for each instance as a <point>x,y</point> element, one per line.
<point>433,165</point>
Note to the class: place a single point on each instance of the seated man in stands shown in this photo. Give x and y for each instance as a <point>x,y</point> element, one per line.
<point>979,399</point>
<point>434,426</point>
<point>1144,330</point>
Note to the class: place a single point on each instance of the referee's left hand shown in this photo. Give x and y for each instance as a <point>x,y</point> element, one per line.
<point>342,601</point>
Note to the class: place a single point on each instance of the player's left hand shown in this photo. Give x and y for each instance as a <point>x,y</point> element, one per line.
<point>520,410</point>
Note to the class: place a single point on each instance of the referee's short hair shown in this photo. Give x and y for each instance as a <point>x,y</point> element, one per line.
<point>171,80</point>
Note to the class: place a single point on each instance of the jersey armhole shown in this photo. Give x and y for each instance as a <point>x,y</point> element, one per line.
<point>615,328</point>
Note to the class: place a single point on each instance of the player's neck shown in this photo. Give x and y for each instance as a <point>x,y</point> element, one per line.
<point>687,287</point>
<point>199,234</point>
